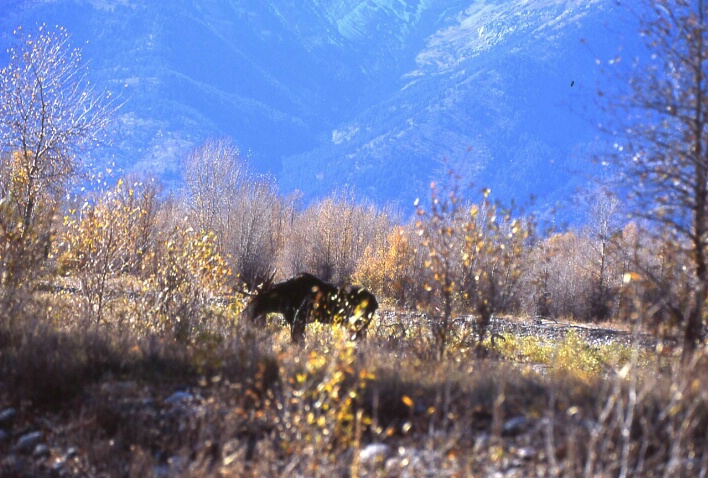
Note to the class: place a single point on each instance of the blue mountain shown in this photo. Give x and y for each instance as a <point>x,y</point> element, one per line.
<point>381,96</point>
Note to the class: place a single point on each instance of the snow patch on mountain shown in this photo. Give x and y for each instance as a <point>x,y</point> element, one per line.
<point>356,20</point>
<point>109,5</point>
<point>340,136</point>
<point>485,24</point>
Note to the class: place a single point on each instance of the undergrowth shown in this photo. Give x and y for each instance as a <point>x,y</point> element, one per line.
<point>572,355</point>
<point>260,406</point>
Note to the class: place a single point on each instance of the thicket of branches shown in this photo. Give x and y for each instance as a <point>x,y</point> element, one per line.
<point>461,254</point>
<point>132,253</point>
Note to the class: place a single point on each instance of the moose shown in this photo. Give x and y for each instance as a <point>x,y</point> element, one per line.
<point>305,298</point>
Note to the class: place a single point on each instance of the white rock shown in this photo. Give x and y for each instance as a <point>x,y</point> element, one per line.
<point>375,453</point>
<point>526,452</point>
<point>28,441</point>
<point>179,397</point>
<point>7,416</point>
<point>41,451</point>
<point>515,425</point>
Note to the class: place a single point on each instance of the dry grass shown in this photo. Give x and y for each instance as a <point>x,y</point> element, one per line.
<point>256,405</point>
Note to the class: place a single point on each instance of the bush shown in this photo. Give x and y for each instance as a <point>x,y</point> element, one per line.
<point>473,259</point>
<point>394,271</point>
<point>330,238</point>
<point>107,239</point>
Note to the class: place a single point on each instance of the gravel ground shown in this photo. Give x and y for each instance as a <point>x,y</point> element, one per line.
<point>547,329</point>
<point>552,330</point>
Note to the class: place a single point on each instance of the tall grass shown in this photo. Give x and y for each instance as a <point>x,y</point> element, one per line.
<point>257,405</point>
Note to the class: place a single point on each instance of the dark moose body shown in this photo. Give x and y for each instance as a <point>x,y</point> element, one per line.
<point>306,298</point>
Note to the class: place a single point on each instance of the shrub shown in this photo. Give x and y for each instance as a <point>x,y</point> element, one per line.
<point>330,237</point>
<point>186,272</point>
<point>107,239</point>
<point>394,271</point>
<point>473,261</point>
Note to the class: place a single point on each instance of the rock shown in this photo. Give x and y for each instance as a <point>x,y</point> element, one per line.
<point>526,452</point>
<point>72,452</point>
<point>57,467</point>
<point>481,443</point>
<point>28,441</point>
<point>7,416</point>
<point>41,451</point>
<point>412,463</point>
<point>374,453</point>
<point>179,397</point>
<point>515,425</point>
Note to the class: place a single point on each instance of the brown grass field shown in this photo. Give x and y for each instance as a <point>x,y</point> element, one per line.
<point>79,400</point>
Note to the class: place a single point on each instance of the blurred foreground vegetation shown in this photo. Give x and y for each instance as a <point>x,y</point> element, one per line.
<point>232,400</point>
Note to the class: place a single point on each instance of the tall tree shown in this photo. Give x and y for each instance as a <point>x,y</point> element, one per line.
<point>604,223</point>
<point>214,172</point>
<point>665,123</point>
<point>50,112</point>
<point>243,209</point>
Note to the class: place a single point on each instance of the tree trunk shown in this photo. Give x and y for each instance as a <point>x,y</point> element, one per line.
<point>693,336</point>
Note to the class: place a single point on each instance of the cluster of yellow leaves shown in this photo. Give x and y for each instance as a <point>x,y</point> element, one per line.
<point>172,271</point>
<point>27,208</point>
<point>392,270</point>
<point>103,237</point>
<point>330,392</point>
<point>187,266</point>
<point>571,355</point>
<point>473,260</point>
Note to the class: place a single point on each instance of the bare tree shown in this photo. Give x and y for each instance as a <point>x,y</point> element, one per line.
<point>604,224</point>
<point>330,237</point>
<point>214,172</point>
<point>243,209</point>
<point>49,113</point>
<point>255,237</point>
<point>665,122</point>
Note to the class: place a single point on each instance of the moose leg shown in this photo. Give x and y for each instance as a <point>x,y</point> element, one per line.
<point>361,328</point>
<point>297,326</point>
<point>297,329</point>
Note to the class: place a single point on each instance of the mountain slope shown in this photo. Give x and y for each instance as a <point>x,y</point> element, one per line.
<point>369,94</point>
<point>491,92</point>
